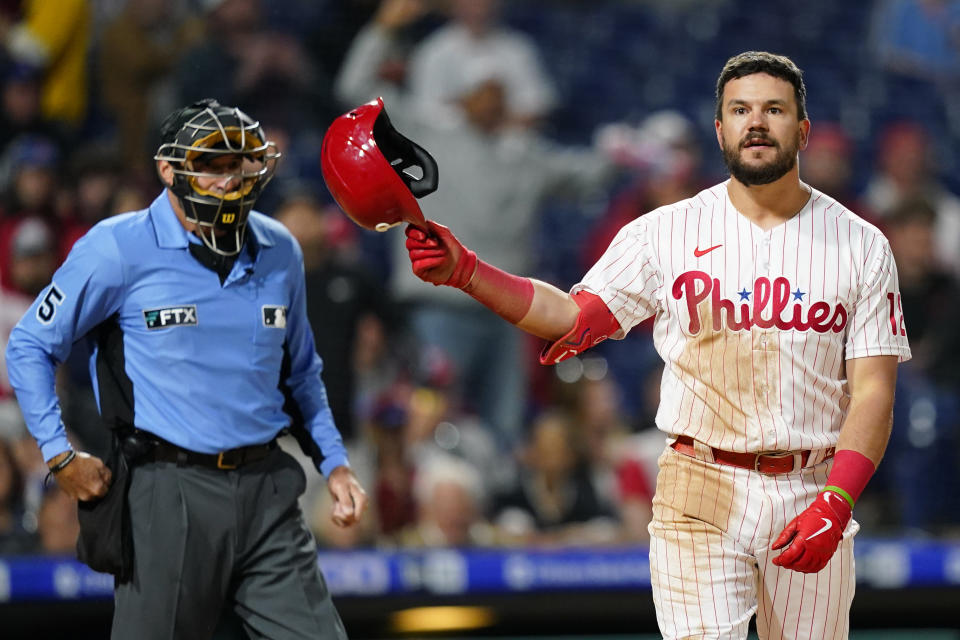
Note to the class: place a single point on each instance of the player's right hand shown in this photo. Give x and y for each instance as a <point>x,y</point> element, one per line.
<point>86,478</point>
<point>437,256</point>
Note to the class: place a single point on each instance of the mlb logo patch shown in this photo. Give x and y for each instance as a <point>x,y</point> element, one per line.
<point>184,316</point>
<point>275,315</point>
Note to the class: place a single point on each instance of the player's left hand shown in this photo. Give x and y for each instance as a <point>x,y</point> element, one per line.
<point>812,537</point>
<point>349,498</point>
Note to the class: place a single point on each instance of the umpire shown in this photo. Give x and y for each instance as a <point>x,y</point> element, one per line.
<point>202,355</point>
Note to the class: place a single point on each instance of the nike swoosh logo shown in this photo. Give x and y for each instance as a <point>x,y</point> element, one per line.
<point>826,527</point>
<point>697,252</point>
<point>579,340</point>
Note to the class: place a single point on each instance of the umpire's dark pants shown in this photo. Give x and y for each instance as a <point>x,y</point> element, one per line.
<point>205,539</point>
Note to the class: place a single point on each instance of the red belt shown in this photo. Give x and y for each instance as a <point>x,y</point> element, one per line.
<point>771,462</point>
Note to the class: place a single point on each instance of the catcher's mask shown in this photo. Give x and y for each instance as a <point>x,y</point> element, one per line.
<point>217,197</point>
<point>372,170</point>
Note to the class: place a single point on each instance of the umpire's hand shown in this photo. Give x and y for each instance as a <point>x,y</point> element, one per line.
<point>85,478</point>
<point>349,498</point>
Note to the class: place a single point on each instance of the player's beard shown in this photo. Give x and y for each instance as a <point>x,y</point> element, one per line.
<point>750,175</point>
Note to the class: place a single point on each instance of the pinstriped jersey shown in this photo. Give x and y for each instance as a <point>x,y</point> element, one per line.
<point>754,325</point>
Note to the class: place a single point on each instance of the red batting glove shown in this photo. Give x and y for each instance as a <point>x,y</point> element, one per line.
<point>437,256</point>
<point>813,535</point>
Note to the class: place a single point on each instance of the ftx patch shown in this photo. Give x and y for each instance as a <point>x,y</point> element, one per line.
<point>185,316</point>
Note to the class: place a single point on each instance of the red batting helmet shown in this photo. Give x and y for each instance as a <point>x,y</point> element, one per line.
<point>366,163</point>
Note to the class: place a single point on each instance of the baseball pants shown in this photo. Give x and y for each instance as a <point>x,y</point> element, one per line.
<point>710,558</point>
<point>205,539</point>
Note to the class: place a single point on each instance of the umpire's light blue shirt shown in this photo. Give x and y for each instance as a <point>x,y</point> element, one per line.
<point>204,359</point>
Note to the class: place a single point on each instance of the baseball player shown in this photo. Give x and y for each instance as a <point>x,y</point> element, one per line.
<point>777,313</point>
<point>202,356</point>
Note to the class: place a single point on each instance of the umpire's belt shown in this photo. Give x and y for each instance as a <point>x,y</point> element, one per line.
<point>773,462</point>
<point>230,459</point>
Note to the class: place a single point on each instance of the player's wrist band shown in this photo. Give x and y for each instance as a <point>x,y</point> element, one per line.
<point>840,492</point>
<point>850,474</point>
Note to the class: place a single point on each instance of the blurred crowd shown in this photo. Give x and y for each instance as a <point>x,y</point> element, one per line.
<point>459,437</point>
